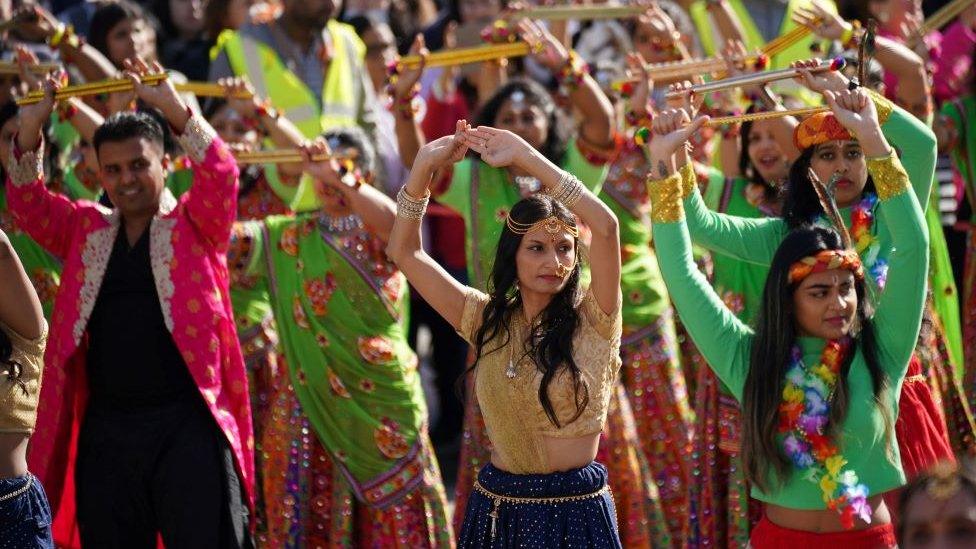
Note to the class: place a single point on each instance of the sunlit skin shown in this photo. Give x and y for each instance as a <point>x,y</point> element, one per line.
<point>825,304</point>
<point>133,173</point>
<point>846,159</point>
<point>765,154</point>
<point>934,524</point>
<point>131,38</point>
<point>380,52</point>
<point>232,129</point>
<point>7,132</point>
<point>538,259</point>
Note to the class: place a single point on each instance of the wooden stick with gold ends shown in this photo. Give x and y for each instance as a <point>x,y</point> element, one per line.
<point>463,56</point>
<point>286,156</point>
<point>941,18</point>
<point>10,67</point>
<point>759,78</point>
<point>202,89</point>
<point>579,13</point>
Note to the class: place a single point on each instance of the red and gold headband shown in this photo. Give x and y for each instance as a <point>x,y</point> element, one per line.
<point>819,128</point>
<point>825,261</point>
<point>552,224</point>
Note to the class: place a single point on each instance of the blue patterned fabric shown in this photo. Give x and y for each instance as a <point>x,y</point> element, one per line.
<point>25,520</point>
<point>590,522</point>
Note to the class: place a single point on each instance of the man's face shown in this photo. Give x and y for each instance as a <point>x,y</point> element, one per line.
<point>133,173</point>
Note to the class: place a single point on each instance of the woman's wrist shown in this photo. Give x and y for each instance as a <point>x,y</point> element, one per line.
<point>873,142</point>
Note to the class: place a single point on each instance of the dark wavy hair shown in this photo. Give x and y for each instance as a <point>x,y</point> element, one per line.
<point>800,204</point>
<point>109,14</point>
<point>557,139</point>
<point>550,344</point>
<point>775,335</point>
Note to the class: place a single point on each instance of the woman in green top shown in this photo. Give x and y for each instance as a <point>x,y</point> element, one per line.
<point>347,439</point>
<point>819,375</point>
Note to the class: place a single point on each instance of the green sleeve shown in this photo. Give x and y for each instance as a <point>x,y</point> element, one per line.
<point>898,315</point>
<point>722,338</point>
<point>457,195</point>
<point>745,239</point>
<point>916,146</point>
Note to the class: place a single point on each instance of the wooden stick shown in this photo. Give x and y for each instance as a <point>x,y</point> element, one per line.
<point>285,156</point>
<point>942,16</point>
<point>580,13</point>
<point>208,89</point>
<point>759,78</point>
<point>11,67</point>
<point>91,88</point>
<point>781,43</point>
<point>767,115</point>
<point>461,56</point>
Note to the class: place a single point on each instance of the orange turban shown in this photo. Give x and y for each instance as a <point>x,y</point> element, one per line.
<point>819,128</point>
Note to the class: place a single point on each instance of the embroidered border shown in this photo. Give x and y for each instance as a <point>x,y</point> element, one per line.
<point>196,138</point>
<point>161,258</point>
<point>28,168</point>
<point>94,261</point>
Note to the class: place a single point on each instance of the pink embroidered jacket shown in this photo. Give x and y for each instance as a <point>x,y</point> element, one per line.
<point>188,245</point>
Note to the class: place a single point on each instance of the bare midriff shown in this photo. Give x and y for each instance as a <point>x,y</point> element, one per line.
<point>827,520</point>
<point>562,454</point>
<point>13,454</point>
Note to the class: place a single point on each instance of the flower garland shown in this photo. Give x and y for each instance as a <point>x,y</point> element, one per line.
<point>803,417</point>
<point>866,243</point>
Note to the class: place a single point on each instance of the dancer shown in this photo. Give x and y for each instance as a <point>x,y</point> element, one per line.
<point>547,352</point>
<point>347,456</point>
<point>819,375</point>
<point>25,515</point>
<point>938,508</point>
<point>166,448</point>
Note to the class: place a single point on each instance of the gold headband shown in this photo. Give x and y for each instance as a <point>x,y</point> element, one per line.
<point>552,224</point>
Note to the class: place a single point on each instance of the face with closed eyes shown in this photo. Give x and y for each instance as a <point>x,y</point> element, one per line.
<point>948,524</point>
<point>825,304</point>
<point>544,261</point>
<point>845,159</point>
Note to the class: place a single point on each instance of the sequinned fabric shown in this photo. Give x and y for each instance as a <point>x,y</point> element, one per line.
<point>516,422</point>
<point>889,176</point>
<point>20,382</point>
<point>666,205</point>
<point>689,180</point>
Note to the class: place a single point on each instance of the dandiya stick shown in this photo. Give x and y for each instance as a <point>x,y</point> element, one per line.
<point>285,156</point>
<point>767,115</point>
<point>91,88</point>
<point>461,56</point>
<point>941,17</point>
<point>9,67</point>
<point>208,89</point>
<point>581,13</point>
<point>759,78</point>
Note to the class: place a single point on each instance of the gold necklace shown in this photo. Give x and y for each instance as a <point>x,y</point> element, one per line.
<point>517,320</point>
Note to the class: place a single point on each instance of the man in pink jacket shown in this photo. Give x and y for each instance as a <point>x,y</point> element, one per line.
<point>144,409</point>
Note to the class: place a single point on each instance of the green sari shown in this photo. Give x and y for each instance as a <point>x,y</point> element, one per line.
<point>339,306</point>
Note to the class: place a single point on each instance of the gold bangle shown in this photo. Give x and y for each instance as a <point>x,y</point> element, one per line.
<point>665,195</point>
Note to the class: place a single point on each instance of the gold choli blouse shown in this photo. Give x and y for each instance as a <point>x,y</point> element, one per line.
<point>513,414</point>
<point>20,384</point>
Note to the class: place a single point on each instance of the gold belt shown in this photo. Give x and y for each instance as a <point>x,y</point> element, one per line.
<point>498,499</point>
<point>917,378</point>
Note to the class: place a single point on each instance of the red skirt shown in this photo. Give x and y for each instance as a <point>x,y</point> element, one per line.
<point>923,439</point>
<point>767,535</point>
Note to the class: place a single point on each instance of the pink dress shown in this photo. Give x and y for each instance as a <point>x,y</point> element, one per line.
<point>188,246</point>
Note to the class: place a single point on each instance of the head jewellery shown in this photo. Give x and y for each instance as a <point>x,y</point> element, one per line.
<point>552,225</point>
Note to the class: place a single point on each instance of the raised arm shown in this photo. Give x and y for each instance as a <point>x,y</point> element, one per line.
<point>20,309</point>
<point>211,203</point>
<point>404,87</point>
<point>47,217</point>
<point>721,337</point>
<point>60,37</point>
<point>585,94</point>
<point>899,312</point>
<point>438,288</point>
<point>376,209</point>
<point>499,148</point>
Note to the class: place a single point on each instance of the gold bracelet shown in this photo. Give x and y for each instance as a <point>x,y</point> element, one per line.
<point>665,194</point>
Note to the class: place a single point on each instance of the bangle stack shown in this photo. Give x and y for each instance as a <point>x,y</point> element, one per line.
<point>64,34</point>
<point>409,207</point>
<point>567,191</point>
<point>572,74</point>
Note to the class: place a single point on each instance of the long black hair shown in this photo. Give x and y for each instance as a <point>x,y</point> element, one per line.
<point>775,336</point>
<point>557,140</point>
<point>801,205</point>
<point>550,343</point>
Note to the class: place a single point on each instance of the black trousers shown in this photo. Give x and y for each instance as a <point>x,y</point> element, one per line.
<point>165,470</point>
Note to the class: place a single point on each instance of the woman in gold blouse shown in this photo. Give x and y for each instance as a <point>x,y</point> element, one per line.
<point>546,348</point>
<point>25,516</point>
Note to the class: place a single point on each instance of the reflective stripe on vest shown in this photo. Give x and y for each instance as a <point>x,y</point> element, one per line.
<point>271,78</point>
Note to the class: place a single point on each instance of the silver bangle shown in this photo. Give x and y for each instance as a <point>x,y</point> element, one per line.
<point>568,191</point>
<point>409,207</point>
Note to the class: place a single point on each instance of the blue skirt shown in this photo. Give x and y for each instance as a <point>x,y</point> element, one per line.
<point>590,522</point>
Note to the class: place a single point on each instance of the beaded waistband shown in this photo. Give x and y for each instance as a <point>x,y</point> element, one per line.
<point>498,499</point>
<point>19,491</point>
